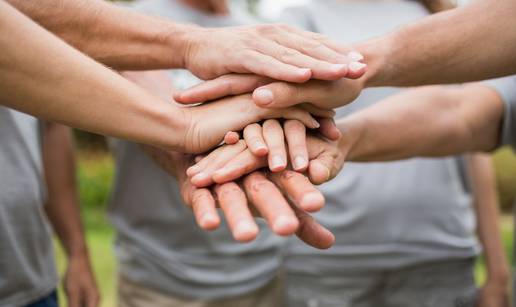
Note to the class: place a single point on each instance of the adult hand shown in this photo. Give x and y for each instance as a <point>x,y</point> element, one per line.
<point>277,51</point>
<point>494,293</point>
<point>256,195</point>
<point>230,162</point>
<point>204,126</point>
<point>269,93</point>
<point>79,283</point>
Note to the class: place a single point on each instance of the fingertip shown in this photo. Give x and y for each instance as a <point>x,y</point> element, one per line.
<point>260,151</point>
<point>302,75</point>
<point>300,163</point>
<point>245,231</point>
<point>356,70</point>
<point>231,138</point>
<point>201,180</point>
<point>193,170</point>
<point>277,164</point>
<point>209,221</point>
<point>263,96</point>
<point>318,172</point>
<point>327,241</point>
<point>312,202</point>
<point>285,226</point>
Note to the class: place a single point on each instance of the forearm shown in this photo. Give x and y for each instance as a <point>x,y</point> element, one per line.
<point>62,207</point>
<point>482,177</point>
<point>115,36</point>
<point>471,43</point>
<point>429,121</point>
<point>43,76</point>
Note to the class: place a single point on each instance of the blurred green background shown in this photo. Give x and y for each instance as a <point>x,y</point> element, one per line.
<point>95,172</point>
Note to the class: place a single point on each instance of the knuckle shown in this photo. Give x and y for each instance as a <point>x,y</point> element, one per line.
<point>228,189</point>
<point>294,125</point>
<point>200,196</point>
<point>259,185</point>
<point>287,175</point>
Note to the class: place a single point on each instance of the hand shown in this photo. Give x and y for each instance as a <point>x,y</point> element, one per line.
<point>494,294</point>
<point>205,126</point>
<point>258,194</point>
<point>230,162</point>
<point>79,283</point>
<point>277,51</point>
<point>275,94</point>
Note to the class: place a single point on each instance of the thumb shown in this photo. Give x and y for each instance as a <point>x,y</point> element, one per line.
<point>227,85</point>
<point>318,171</point>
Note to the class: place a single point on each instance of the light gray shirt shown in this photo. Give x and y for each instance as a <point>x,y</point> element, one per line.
<point>506,88</point>
<point>158,243</point>
<point>27,268</point>
<point>384,215</point>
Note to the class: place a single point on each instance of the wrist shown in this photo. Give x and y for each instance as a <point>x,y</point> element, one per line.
<point>173,122</point>
<point>181,38</point>
<point>378,55</point>
<point>500,277</point>
<point>352,130</point>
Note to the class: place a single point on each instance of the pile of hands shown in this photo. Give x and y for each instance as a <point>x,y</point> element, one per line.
<point>256,146</point>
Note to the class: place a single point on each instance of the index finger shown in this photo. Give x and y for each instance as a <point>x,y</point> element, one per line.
<point>269,201</point>
<point>299,189</point>
<point>227,85</point>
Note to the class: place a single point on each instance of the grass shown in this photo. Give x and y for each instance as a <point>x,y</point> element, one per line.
<point>95,177</point>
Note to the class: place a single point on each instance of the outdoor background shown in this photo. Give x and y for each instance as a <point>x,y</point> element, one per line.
<point>95,174</point>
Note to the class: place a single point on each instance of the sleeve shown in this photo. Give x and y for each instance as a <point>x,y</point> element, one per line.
<point>506,88</point>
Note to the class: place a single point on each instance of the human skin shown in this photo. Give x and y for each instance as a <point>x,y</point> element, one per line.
<point>43,76</point>
<point>62,209</point>
<point>255,195</point>
<point>429,121</point>
<point>127,40</point>
<point>452,47</point>
<point>495,291</point>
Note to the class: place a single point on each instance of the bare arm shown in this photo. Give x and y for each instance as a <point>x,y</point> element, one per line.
<point>127,40</point>
<point>427,121</point>
<point>495,290</point>
<point>43,76</point>
<point>63,212</point>
<point>471,43</point>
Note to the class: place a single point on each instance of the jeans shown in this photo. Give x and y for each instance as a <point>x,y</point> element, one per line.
<point>47,301</point>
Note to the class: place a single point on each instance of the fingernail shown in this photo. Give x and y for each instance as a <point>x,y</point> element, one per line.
<point>285,226</point>
<point>315,124</point>
<point>245,230</point>
<point>305,71</point>
<point>312,201</point>
<point>200,177</point>
<point>299,162</point>
<point>277,163</point>
<point>338,67</point>
<point>260,148</point>
<point>355,56</point>
<point>263,96</point>
<point>356,66</point>
<point>194,169</point>
<point>209,221</point>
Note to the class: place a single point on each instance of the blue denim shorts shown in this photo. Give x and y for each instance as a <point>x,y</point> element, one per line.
<point>48,301</point>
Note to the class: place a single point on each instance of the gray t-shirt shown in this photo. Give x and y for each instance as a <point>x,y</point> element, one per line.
<point>384,215</point>
<point>158,244</point>
<point>506,88</point>
<point>27,268</point>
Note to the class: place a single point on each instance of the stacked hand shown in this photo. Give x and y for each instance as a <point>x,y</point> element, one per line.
<point>253,177</point>
<point>257,194</point>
